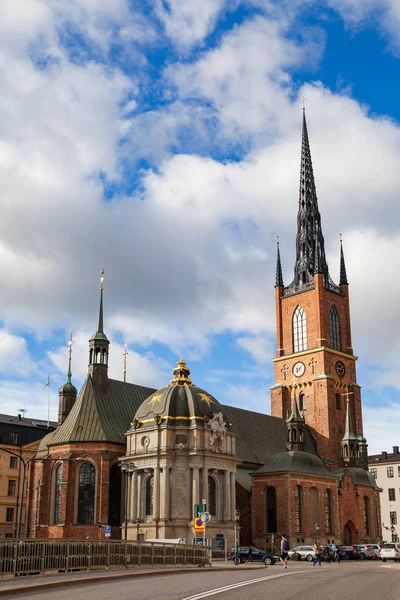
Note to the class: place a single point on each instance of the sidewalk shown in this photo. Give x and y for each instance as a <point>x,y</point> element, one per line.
<point>44,582</point>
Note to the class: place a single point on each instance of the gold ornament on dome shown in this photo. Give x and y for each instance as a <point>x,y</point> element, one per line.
<point>181,374</point>
<point>206,399</point>
<point>155,399</point>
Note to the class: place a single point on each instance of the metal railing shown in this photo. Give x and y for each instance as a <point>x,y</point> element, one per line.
<point>34,556</point>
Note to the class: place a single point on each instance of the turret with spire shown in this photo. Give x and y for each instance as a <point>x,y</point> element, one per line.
<point>296,427</point>
<point>350,441</point>
<point>99,348</point>
<point>67,393</point>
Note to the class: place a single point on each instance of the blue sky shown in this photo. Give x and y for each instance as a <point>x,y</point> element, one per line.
<point>161,141</point>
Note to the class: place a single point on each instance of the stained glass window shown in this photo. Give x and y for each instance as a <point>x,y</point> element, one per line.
<point>149,495</point>
<point>57,494</point>
<point>86,494</point>
<point>335,332</point>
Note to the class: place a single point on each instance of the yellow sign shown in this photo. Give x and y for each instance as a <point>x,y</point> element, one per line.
<point>198,525</point>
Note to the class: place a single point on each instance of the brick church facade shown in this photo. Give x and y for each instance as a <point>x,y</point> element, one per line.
<point>139,459</point>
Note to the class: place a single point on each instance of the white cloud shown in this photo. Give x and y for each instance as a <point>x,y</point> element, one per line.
<point>188,22</point>
<point>260,348</point>
<point>381,426</point>
<point>15,357</point>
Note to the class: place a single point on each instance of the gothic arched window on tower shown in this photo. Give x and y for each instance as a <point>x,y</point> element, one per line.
<point>302,402</point>
<point>335,332</point>
<point>57,494</point>
<point>270,502</point>
<point>86,494</point>
<point>298,508</point>
<point>212,496</point>
<point>299,330</point>
<point>149,495</point>
<point>366,515</point>
<point>328,511</point>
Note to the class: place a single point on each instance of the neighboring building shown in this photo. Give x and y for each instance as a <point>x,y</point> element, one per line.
<point>19,436</point>
<point>385,467</point>
<point>303,470</point>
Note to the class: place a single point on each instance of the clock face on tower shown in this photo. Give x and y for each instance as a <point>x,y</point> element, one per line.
<point>299,369</point>
<point>340,368</point>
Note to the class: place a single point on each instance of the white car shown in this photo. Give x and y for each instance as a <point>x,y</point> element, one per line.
<point>367,551</point>
<point>306,552</point>
<point>390,551</point>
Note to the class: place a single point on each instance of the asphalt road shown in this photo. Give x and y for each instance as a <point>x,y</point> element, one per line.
<point>349,581</point>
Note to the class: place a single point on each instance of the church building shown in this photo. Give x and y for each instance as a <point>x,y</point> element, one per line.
<point>141,460</point>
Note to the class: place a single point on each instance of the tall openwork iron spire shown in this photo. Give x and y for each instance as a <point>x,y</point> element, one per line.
<point>343,274</point>
<point>278,276</point>
<point>310,244</point>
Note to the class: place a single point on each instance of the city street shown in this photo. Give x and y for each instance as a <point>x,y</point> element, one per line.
<point>348,581</point>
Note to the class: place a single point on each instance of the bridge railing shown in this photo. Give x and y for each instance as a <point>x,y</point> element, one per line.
<point>21,557</point>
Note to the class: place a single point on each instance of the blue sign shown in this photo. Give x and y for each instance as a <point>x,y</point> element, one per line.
<point>107,530</point>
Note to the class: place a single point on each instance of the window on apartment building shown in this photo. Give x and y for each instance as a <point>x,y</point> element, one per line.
<point>392,494</point>
<point>10,515</point>
<point>393,518</point>
<point>12,487</point>
<point>14,438</point>
<point>13,462</point>
<point>398,471</point>
<point>374,472</point>
<point>389,471</point>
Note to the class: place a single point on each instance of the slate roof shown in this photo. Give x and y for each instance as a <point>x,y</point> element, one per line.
<point>106,417</point>
<point>359,476</point>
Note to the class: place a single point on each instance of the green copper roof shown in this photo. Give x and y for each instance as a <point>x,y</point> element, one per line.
<point>295,461</point>
<point>359,476</point>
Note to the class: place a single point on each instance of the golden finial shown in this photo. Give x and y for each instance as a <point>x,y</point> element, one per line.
<point>303,102</point>
<point>125,355</point>
<point>181,373</point>
<point>101,278</point>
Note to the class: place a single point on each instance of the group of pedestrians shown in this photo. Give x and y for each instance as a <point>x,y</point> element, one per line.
<point>330,555</point>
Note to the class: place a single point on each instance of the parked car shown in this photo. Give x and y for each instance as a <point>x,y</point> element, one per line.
<point>306,552</point>
<point>349,552</point>
<point>367,551</point>
<point>257,555</point>
<point>390,551</point>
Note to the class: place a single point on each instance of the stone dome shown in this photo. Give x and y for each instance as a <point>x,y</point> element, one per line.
<point>180,403</point>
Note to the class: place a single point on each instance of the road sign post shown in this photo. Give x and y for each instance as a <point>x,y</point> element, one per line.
<point>206,518</point>
<point>107,531</point>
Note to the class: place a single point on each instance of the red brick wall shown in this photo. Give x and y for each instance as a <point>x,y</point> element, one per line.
<point>40,510</point>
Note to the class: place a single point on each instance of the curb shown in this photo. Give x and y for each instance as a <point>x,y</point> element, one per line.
<point>44,586</point>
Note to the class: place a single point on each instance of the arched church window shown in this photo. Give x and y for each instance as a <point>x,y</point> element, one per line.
<point>299,330</point>
<point>97,355</point>
<point>212,496</point>
<point>298,508</point>
<point>149,495</point>
<point>90,356</point>
<point>86,494</point>
<point>366,515</point>
<point>328,511</point>
<point>302,402</point>
<point>314,512</point>
<point>270,501</point>
<point>57,494</point>
<point>335,332</point>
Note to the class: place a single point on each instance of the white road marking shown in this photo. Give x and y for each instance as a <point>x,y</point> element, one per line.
<point>232,586</point>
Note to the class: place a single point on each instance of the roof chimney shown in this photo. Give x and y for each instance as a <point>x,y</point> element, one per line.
<point>19,418</point>
<point>384,454</point>
<point>395,449</point>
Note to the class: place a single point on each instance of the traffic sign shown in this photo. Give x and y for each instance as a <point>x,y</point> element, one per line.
<point>198,525</point>
<point>107,530</point>
<point>205,517</point>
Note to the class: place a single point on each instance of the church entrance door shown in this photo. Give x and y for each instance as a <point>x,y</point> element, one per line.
<point>349,534</point>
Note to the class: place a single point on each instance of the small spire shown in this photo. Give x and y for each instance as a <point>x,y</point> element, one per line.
<point>278,277</point>
<point>125,355</point>
<point>349,433</point>
<point>69,355</point>
<point>295,415</point>
<point>343,274</point>
<point>100,319</point>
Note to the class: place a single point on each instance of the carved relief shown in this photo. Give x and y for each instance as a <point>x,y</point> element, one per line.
<point>218,430</point>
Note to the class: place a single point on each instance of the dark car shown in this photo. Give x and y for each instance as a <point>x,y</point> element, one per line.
<point>257,555</point>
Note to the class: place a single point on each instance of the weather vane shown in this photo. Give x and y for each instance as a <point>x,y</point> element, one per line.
<point>303,102</point>
<point>125,355</point>
<point>101,278</point>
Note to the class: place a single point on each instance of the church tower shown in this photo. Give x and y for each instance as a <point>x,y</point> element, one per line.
<point>314,350</point>
<point>98,349</point>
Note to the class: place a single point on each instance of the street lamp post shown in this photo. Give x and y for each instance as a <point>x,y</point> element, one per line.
<point>237,529</point>
<point>316,525</point>
<point>127,469</point>
<point>24,466</point>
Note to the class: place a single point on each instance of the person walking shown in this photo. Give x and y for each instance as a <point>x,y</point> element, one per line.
<point>317,554</point>
<point>250,553</point>
<point>284,551</point>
